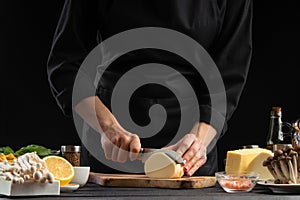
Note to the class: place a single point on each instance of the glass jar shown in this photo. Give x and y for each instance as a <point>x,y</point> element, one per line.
<point>72,154</point>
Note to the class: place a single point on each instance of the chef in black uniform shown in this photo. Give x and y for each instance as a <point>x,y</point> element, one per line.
<point>221,27</point>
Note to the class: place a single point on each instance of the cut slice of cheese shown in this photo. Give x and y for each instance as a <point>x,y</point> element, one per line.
<point>256,165</point>
<point>246,160</point>
<point>159,165</point>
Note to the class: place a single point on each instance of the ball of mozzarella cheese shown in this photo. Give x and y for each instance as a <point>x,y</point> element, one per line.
<point>159,165</point>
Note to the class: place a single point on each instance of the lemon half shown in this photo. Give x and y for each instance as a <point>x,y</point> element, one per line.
<point>61,169</point>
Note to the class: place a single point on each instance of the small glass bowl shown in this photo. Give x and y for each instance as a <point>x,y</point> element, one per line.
<point>233,183</point>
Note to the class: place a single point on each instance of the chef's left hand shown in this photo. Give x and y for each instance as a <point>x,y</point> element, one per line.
<point>192,151</point>
<point>192,147</point>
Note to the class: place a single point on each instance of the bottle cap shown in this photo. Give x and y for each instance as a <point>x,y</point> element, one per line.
<point>70,148</point>
<point>276,111</point>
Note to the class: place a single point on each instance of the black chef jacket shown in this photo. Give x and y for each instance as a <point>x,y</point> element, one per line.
<point>222,27</point>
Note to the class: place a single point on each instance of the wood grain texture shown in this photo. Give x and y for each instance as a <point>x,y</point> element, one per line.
<point>139,180</point>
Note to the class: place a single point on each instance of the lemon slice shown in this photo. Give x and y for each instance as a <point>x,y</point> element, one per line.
<point>61,169</point>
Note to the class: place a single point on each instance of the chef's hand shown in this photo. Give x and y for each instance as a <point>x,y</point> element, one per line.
<point>117,143</point>
<point>192,151</point>
<point>192,147</point>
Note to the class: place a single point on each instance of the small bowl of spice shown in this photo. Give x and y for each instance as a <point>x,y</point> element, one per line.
<point>233,183</point>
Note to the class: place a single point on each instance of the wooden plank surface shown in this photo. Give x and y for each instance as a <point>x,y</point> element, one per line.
<point>139,180</point>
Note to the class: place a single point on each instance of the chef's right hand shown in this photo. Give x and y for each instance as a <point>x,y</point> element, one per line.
<point>119,144</point>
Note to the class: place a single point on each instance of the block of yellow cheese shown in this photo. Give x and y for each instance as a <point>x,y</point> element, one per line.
<point>256,165</point>
<point>159,165</point>
<point>246,160</point>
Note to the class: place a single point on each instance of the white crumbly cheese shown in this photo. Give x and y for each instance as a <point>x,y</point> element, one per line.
<point>159,165</point>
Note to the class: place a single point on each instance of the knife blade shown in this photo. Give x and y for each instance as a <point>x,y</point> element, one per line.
<point>145,153</point>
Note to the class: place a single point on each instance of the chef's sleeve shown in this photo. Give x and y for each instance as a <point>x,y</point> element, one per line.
<point>74,38</point>
<point>231,52</point>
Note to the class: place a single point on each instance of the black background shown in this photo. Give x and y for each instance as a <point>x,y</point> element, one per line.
<point>29,113</point>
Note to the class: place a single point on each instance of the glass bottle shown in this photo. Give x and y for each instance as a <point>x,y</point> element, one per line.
<point>277,138</point>
<point>275,135</point>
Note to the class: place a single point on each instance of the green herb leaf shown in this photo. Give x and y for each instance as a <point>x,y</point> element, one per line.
<point>40,150</point>
<point>6,150</point>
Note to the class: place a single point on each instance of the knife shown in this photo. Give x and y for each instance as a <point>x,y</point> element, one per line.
<point>145,153</point>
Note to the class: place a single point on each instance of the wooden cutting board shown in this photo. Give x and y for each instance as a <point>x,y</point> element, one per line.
<point>136,180</point>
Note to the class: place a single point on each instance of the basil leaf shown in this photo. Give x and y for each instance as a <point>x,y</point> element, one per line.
<point>40,150</point>
<point>6,150</point>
